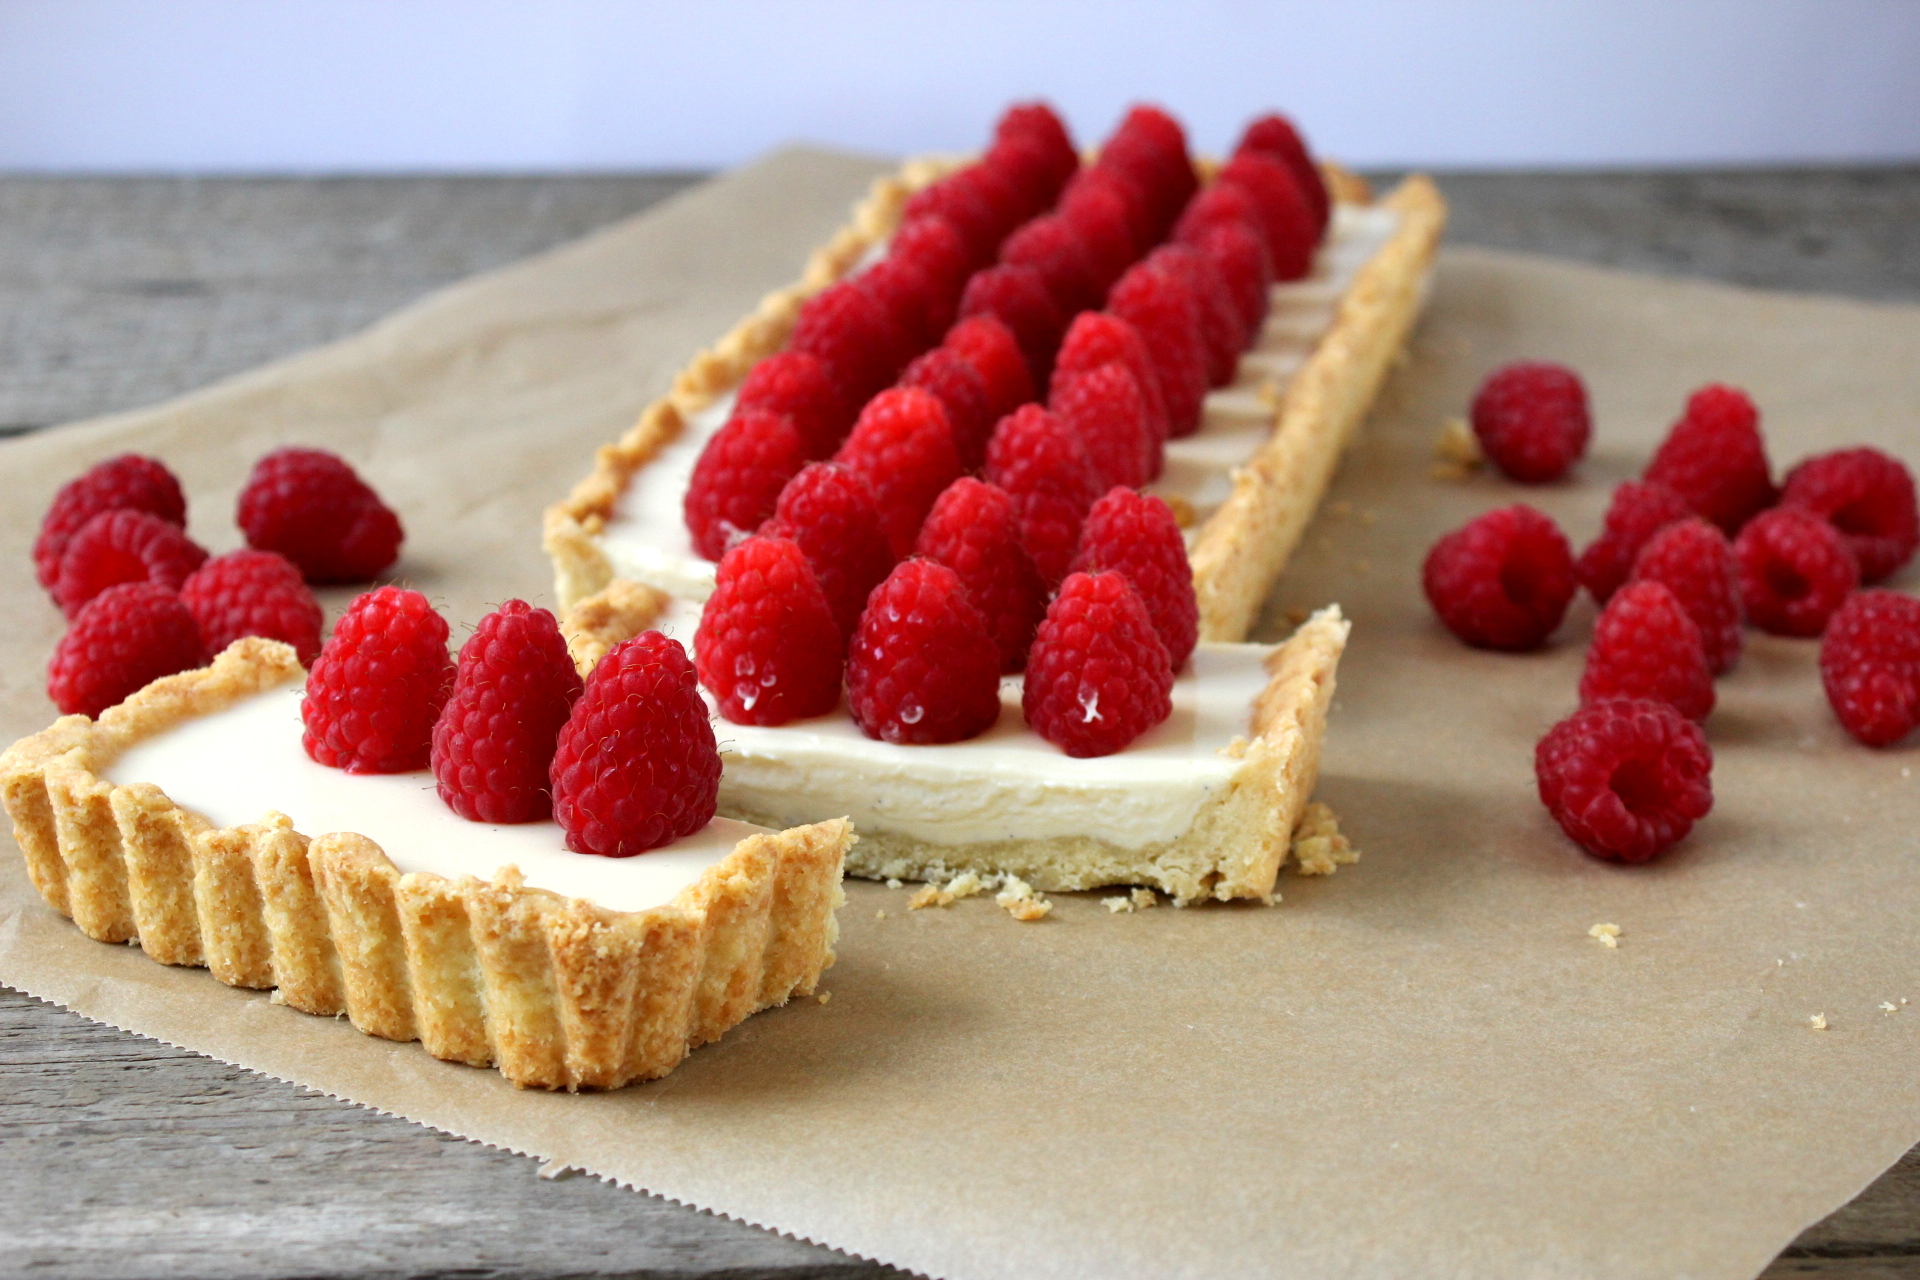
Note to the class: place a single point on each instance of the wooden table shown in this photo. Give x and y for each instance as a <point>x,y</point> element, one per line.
<point>120,1157</point>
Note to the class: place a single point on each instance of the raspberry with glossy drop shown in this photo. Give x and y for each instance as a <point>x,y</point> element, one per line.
<point>829,512</point>
<point>1531,419</point>
<point>1645,646</point>
<point>123,545</point>
<point>1502,580</point>
<point>1637,511</point>
<point>1870,666</point>
<point>1052,246</point>
<point>1276,136</point>
<point>931,243</point>
<point>1162,309</point>
<point>923,667</point>
<point>1291,233</point>
<point>797,386</point>
<point>378,685</point>
<point>126,637</point>
<point>1626,778</point>
<point>904,450</point>
<point>313,508</point>
<point>1136,534</point>
<point>1018,297</point>
<point>254,593</point>
<point>1868,497</point>
<point>1240,256</point>
<point>129,480</point>
<point>1694,560</point>
<point>949,378</point>
<point>493,744</point>
<point>768,648</point>
<point>1795,570</point>
<point>738,477</point>
<point>990,347</point>
<point>974,530</point>
<point>1106,410</point>
<point>1039,460</point>
<point>1715,458</point>
<point>1221,334</point>
<point>1098,338</point>
<point>636,765</point>
<point>1098,676</point>
<point>847,330</point>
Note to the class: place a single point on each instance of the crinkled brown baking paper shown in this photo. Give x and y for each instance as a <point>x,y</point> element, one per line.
<point>1422,1066</point>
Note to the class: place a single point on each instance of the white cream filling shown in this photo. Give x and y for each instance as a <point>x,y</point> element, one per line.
<point>647,540</point>
<point>233,766</point>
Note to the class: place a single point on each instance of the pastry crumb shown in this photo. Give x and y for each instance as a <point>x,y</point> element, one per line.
<point>1888,1006</point>
<point>1608,934</point>
<point>881,914</point>
<point>1456,453</point>
<point>929,895</point>
<point>896,883</point>
<point>1019,900</point>
<point>274,997</point>
<point>964,885</point>
<point>1117,905</point>
<point>1318,847</point>
<point>1818,1022</point>
<point>1144,898</point>
<point>823,997</point>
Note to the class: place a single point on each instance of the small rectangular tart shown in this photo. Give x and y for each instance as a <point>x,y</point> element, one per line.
<point>558,992</point>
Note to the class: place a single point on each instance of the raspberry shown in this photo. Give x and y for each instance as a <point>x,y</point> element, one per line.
<point>312,508</point>
<point>636,766</point>
<point>999,195</point>
<point>1795,570</point>
<point>903,448</point>
<point>989,346</point>
<point>1221,336</point>
<point>738,478</point>
<point>1151,148</point>
<point>493,743</point>
<point>974,530</point>
<point>909,298</point>
<point>1162,308</point>
<point>1025,166</point>
<point>1693,559</point>
<point>1645,646</point>
<point>1502,580</point>
<point>1106,410</point>
<point>1639,509</point>
<point>1283,212</point>
<point>1276,136</point>
<point>1053,247</point>
<point>378,685</point>
<point>1136,534</point>
<point>1040,462</point>
<point>1626,779</point>
<point>797,386</point>
<point>768,647</point>
<point>1715,459</point>
<point>1018,297</point>
<point>1240,256</point>
<point>828,511</point>
<point>254,593</point>
<point>1868,497</point>
<point>1098,337</point>
<point>964,209</point>
<point>962,392</point>
<point>1531,418</point>
<point>1037,124</point>
<point>123,545</point>
<point>1101,216</point>
<point>127,637</point>
<point>129,480</point>
<point>1106,186</point>
<point>923,667</point>
<point>1098,676</point>
<point>1870,665</point>
<point>846,329</point>
<point>931,243</point>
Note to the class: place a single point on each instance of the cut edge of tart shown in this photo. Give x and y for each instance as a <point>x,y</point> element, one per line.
<point>557,992</point>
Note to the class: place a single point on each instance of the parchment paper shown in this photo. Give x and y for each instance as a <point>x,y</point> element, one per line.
<point>1422,1066</point>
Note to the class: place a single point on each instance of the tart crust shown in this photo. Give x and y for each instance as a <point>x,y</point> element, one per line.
<point>557,992</point>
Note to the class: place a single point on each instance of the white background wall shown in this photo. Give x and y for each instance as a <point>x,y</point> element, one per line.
<point>308,85</point>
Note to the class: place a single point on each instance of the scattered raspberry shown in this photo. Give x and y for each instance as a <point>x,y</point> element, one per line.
<point>1151,148</point>
<point>1240,256</point>
<point>796,385</point>
<point>128,481</point>
<point>1221,336</point>
<point>312,508</point>
<point>931,243</point>
<point>829,512</point>
<point>1106,410</point>
<point>1162,308</point>
<point>1040,462</point>
<point>914,307</point>
<point>124,639</point>
<point>962,392</point>
<point>990,347</point>
<point>378,685</point>
<point>1136,534</point>
<point>1626,779</point>
<point>964,209</point>
<point>1715,459</point>
<point>1503,580</point>
<point>1795,569</point>
<point>1870,664</point>
<point>738,478</point>
<point>1284,215</point>
<point>903,448</point>
<point>923,667</point>
<point>1052,246</point>
<point>1104,186</point>
<point>846,329</point>
<point>254,593</point>
<point>1098,337</point>
<point>123,545</point>
<point>1531,418</point>
<point>974,530</point>
<point>1276,136</point>
<point>1645,646</point>
<point>1103,218</point>
<point>493,743</point>
<point>768,647</point>
<point>1868,497</point>
<point>1693,559</point>
<point>1098,677</point>
<point>1038,124</point>
<point>1639,509</point>
<point>636,766</point>
<point>1018,297</point>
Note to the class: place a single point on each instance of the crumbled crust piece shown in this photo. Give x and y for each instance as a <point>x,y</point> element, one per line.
<point>823,997</point>
<point>1818,1022</point>
<point>1888,1006</point>
<point>1318,847</point>
<point>1019,900</point>
<point>964,885</point>
<point>1457,452</point>
<point>1144,898</point>
<point>1608,934</point>
<point>1117,905</point>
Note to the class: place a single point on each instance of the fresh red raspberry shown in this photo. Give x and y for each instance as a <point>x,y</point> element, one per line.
<point>1018,297</point>
<point>1645,646</point>
<point>127,637</point>
<point>797,386</point>
<point>1283,212</point>
<point>829,512</point>
<point>1715,459</point>
<point>1694,560</point>
<point>254,593</point>
<point>1160,306</point>
<point>1639,509</point>
<point>1795,570</point>
<point>1222,337</point>
<point>910,299</point>
<point>990,347</point>
<point>964,208</point>
<point>962,392</point>
<point>738,478</point>
<point>1037,124</point>
<point>1870,664</point>
<point>1098,676</point>
<point>1025,165</point>
<point>931,243</point>
<point>923,668</point>
<point>1101,216</point>
<point>1106,410</point>
<point>1052,246</point>
<point>123,545</point>
<point>1137,534</point>
<point>1151,148</point>
<point>636,765</point>
<point>1099,337</point>
<point>314,509</point>
<point>847,330</point>
<point>1502,580</point>
<point>903,448</point>
<point>493,743</point>
<point>768,647</point>
<point>1106,186</point>
<point>378,685</point>
<point>1531,418</point>
<point>1240,256</point>
<point>129,481</point>
<point>974,530</point>
<point>998,194</point>
<point>1040,462</point>
<point>1868,497</point>
<point>1626,779</point>
<point>1276,136</point>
